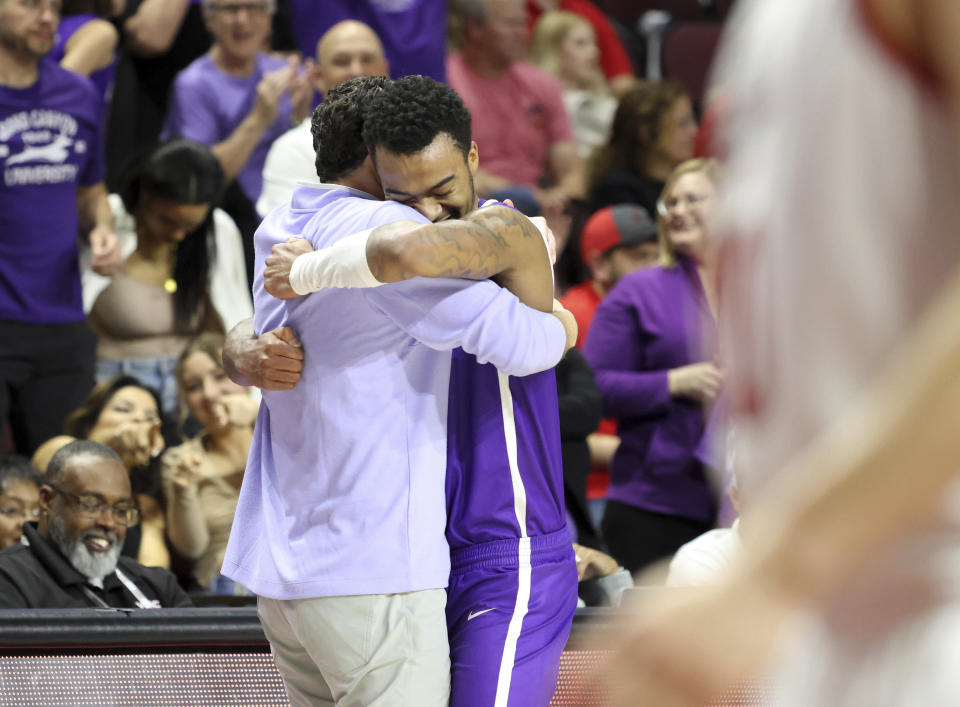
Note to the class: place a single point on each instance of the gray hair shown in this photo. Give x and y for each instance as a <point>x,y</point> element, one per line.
<point>57,468</point>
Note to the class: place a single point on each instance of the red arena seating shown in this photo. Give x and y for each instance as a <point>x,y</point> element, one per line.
<point>688,52</point>
<point>630,11</point>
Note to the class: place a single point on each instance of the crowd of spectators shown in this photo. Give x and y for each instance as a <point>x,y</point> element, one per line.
<point>196,115</point>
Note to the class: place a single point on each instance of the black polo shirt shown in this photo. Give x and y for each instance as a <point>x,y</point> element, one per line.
<point>38,576</point>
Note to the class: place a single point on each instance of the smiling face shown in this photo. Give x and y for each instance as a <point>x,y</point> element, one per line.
<point>160,220</point>
<point>437,181</point>
<point>19,502</point>
<point>204,384</point>
<point>92,543</point>
<point>128,404</point>
<point>239,27</point>
<point>28,27</point>
<point>689,207</point>
<point>349,49</point>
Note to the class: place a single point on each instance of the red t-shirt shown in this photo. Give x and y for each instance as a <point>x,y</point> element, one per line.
<point>517,118</point>
<point>613,57</point>
<point>582,301</point>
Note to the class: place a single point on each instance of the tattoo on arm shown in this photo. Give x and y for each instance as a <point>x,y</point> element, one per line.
<point>485,243</point>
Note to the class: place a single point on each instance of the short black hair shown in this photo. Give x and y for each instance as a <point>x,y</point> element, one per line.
<point>57,468</point>
<point>337,126</point>
<point>408,115</point>
<point>14,467</point>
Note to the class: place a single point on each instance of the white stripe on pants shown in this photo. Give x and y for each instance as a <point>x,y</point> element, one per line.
<point>361,651</point>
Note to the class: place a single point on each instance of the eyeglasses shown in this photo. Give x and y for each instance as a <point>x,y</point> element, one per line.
<point>235,8</point>
<point>666,207</point>
<point>93,506</point>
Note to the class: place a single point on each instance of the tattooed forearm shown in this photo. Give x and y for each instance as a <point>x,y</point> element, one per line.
<point>483,244</point>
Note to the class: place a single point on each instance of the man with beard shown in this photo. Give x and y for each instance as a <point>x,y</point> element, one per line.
<point>71,558</point>
<point>512,587</point>
<point>339,526</point>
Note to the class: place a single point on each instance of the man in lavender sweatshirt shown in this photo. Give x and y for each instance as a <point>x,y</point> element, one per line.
<point>512,589</point>
<point>339,527</point>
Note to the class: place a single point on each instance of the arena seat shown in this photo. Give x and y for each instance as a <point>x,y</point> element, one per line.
<point>209,656</point>
<point>630,11</point>
<point>688,51</point>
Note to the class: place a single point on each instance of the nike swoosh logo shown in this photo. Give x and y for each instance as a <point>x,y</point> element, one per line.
<point>474,614</point>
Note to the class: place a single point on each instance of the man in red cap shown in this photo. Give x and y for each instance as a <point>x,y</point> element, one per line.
<point>615,241</point>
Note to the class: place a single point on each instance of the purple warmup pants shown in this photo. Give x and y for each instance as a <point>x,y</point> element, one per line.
<point>510,605</point>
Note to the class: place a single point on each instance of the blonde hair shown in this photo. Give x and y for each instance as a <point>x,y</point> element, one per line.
<point>548,37</point>
<point>711,169</point>
<point>209,343</point>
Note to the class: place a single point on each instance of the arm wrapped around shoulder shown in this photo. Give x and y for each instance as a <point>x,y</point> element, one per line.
<point>344,264</point>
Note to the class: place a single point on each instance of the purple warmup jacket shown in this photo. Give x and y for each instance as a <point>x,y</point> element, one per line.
<point>654,320</point>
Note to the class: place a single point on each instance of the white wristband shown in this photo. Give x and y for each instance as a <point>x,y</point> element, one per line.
<point>344,264</point>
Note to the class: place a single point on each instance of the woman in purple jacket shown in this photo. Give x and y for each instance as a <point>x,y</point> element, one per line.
<point>653,347</point>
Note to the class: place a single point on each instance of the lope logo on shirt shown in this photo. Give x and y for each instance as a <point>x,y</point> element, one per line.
<point>394,5</point>
<point>36,145</point>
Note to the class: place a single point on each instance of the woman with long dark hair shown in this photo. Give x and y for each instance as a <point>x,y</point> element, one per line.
<point>125,415</point>
<point>653,131</point>
<point>183,272</point>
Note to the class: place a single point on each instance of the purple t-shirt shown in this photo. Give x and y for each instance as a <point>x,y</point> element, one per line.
<point>207,105</point>
<point>492,492</point>
<point>102,78</point>
<point>413,32</point>
<point>50,143</point>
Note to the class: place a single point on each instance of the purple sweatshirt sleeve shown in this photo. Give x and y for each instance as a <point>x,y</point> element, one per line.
<point>614,349</point>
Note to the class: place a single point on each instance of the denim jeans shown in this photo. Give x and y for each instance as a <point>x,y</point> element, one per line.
<point>158,373</point>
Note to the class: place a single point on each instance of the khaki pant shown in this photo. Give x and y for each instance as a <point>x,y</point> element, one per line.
<point>375,650</point>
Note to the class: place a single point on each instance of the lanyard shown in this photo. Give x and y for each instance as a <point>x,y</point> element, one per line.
<point>139,597</point>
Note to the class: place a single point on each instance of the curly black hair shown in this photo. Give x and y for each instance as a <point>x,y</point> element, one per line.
<point>408,115</point>
<point>337,126</point>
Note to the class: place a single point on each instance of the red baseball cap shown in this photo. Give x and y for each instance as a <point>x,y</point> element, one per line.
<point>611,226</point>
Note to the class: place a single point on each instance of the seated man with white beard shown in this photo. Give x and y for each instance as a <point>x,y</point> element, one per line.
<point>71,558</point>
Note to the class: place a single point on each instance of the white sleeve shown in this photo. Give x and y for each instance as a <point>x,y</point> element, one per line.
<point>344,264</point>
<point>289,161</point>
